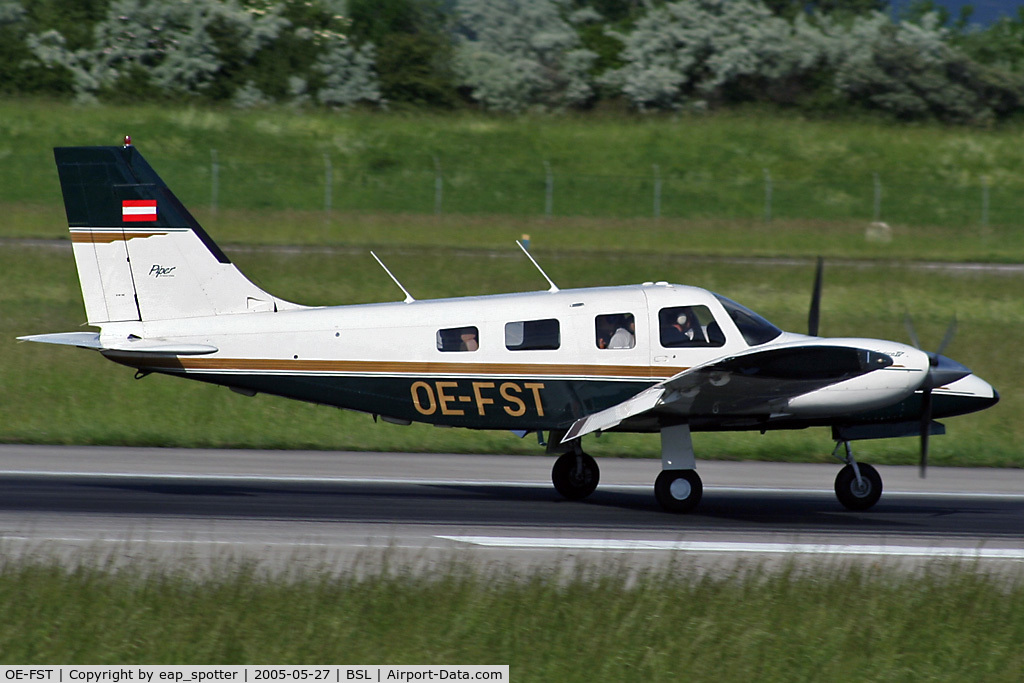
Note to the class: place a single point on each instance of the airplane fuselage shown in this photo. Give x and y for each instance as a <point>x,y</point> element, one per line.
<point>535,361</point>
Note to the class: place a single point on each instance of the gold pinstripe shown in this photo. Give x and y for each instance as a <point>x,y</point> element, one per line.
<point>109,236</point>
<point>398,367</point>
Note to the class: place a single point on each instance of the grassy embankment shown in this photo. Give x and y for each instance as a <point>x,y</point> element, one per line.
<point>271,173</point>
<point>272,161</point>
<point>853,624</point>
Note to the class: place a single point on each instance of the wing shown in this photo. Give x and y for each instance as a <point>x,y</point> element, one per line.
<point>757,382</point>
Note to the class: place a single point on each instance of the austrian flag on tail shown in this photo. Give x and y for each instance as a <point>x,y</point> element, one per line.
<point>138,210</point>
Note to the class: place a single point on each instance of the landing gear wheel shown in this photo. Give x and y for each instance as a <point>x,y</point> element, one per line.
<point>856,496</point>
<point>575,475</point>
<point>678,490</point>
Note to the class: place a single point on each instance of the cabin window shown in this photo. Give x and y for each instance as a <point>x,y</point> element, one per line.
<point>532,335</point>
<point>458,339</point>
<point>615,331</point>
<point>689,326</point>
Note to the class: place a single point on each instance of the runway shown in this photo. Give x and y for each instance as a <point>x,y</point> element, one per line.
<point>288,510</point>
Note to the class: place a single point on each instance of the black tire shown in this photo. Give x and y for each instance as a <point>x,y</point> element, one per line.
<point>575,476</point>
<point>854,497</point>
<point>678,490</point>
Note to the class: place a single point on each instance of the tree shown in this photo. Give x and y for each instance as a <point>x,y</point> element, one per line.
<point>911,71</point>
<point>697,52</point>
<point>414,52</point>
<point>349,76</point>
<point>143,48</point>
<point>251,53</point>
<point>514,54</point>
<point>20,72</point>
<point>845,9</point>
<point>1001,45</point>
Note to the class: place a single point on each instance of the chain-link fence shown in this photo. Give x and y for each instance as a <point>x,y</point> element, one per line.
<point>320,183</point>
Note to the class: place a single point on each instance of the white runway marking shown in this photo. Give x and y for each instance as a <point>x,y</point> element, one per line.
<point>523,542</point>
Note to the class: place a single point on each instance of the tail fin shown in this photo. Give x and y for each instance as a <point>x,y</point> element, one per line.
<point>140,253</point>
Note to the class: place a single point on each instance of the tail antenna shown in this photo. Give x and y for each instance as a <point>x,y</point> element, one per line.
<point>408,296</point>
<point>553,288</point>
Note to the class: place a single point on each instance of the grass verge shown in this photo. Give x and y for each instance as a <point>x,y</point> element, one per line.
<point>944,623</point>
<point>738,166</point>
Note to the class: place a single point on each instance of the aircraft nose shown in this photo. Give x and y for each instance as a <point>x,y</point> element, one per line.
<point>944,370</point>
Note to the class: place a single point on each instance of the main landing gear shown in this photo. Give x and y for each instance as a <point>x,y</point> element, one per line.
<point>858,485</point>
<point>575,474</point>
<point>677,489</point>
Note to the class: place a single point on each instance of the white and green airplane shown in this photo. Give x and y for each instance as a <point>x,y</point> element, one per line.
<point>653,357</point>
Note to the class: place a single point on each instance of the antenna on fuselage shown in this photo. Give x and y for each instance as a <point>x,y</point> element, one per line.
<point>408,296</point>
<point>554,287</point>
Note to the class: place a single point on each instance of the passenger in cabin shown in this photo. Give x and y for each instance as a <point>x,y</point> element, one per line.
<point>458,339</point>
<point>615,331</point>
<point>679,327</point>
<point>625,333</point>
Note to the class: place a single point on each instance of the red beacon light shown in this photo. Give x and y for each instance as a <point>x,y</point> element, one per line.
<point>127,140</point>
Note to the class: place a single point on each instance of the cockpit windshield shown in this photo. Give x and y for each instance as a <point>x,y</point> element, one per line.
<point>755,329</point>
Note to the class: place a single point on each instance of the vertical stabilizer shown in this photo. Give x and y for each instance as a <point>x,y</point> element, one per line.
<point>140,253</point>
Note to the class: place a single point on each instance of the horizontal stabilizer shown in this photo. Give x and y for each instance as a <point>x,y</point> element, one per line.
<point>91,340</point>
<point>83,340</point>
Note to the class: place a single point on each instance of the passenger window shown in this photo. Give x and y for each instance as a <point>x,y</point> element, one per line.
<point>682,326</point>
<point>532,335</point>
<point>615,331</point>
<point>458,339</point>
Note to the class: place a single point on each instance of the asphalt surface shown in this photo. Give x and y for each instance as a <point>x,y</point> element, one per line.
<point>294,510</point>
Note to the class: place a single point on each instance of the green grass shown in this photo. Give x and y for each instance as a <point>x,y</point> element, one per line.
<point>69,396</point>
<point>856,623</point>
<point>711,168</point>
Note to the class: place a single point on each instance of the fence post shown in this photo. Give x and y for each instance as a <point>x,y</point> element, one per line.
<point>214,180</point>
<point>767,196</point>
<point>878,197</point>
<point>549,190</point>
<point>438,187</point>
<point>657,191</point>
<point>328,186</point>
<point>984,201</point>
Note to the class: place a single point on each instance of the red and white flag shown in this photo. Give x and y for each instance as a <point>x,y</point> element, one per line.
<point>138,210</point>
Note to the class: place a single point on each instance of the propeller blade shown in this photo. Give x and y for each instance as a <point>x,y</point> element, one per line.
<point>909,324</point>
<point>950,333</point>
<point>941,371</point>
<point>814,317</point>
<point>926,428</point>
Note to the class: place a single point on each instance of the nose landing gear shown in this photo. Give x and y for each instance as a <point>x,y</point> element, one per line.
<point>858,485</point>
<point>678,490</point>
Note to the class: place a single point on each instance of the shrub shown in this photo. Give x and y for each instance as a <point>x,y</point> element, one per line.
<point>514,54</point>
<point>692,52</point>
<point>909,70</point>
